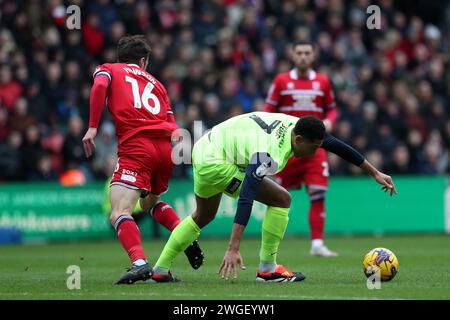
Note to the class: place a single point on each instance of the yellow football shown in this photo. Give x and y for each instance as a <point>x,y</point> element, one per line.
<point>382,260</point>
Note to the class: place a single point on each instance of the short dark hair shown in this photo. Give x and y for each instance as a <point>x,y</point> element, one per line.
<point>304,43</point>
<point>310,128</point>
<point>132,48</point>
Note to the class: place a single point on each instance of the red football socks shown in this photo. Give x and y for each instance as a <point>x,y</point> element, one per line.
<point>317,215</point>
<point>165,215</point>
<point>130,237</point>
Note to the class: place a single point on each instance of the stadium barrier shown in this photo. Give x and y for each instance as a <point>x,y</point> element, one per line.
<point>51,212</point>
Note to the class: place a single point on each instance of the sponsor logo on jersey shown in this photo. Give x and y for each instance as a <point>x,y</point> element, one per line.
<point>304,100</point>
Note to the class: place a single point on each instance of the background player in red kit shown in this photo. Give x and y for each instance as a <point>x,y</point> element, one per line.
<point>301,92</point>
<point>144,123</point>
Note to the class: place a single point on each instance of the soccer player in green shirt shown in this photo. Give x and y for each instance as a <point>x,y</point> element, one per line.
<point>235,158</point>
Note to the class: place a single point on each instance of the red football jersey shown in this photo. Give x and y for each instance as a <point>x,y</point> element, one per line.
<point>297,96</point>
<point>137,101</point>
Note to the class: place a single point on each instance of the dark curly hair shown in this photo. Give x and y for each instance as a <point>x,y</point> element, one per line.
<point>132,48</point>
<point>310,128</point>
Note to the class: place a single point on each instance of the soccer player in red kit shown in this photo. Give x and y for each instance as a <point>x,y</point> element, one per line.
<point>144,124</point>
<point>302,92</point>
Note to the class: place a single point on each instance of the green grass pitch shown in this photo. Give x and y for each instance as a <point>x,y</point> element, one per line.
<point>39,272</point>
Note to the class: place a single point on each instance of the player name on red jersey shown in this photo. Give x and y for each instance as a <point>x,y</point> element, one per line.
<point>139,72</point>
<point>137,101</point>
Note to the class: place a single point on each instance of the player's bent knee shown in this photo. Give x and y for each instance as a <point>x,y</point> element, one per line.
<point>149,201</point>
<point>285,199</point>
<point>116,214</point>
<point>202,219</point>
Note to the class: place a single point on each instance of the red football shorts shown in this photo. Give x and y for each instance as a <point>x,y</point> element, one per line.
<point>311,171</point>
<point>144,164</point>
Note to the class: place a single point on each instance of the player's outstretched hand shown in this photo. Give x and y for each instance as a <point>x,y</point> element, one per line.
<point>386,181</point>
<point>229,264</point>
<point>88,142</point>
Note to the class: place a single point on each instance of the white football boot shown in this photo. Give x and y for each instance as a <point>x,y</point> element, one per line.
<point>322,251</point>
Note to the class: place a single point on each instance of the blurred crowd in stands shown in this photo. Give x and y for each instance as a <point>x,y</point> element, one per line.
<point>217,59</point>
